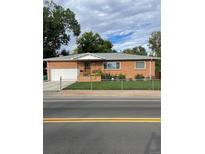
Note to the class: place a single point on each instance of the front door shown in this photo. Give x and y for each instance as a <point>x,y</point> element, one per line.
<point>87,67</point>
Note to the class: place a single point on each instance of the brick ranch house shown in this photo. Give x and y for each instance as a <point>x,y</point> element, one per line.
<point>85,67</point>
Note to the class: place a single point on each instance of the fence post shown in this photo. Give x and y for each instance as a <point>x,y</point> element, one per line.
<point>91,85</point>
<point>122,85</point>
<point>152,84</point>
<point>60,83</point>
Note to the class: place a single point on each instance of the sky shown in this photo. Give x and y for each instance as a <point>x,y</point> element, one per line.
<point>126,23</point>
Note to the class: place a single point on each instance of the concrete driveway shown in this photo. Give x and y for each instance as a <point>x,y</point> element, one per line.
<point>55,85</point>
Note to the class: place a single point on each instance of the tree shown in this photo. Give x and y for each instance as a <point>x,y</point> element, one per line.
<point>58,25</point>
<point>64,52</point>
<point>136,51</point>
<point>75,51</point>
<point>140,50</point>
<point>155,43</point>
<point>128,51</point>
<point>93,43</point>
<point>114,51</point>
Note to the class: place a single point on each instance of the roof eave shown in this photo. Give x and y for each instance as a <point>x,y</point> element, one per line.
<point>58,60</point>
<point>85,54</point>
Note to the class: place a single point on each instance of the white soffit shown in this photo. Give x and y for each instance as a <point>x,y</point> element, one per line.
<point>88,57</point>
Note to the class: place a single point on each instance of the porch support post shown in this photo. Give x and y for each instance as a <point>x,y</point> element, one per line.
<point>48,71</point>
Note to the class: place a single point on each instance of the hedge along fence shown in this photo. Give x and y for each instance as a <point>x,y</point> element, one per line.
<point>123,77</point>
<point>113,77</point>
<point>120,77</point>
<point>108,76</point>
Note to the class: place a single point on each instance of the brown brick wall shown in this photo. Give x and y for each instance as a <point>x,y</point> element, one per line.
<point>62,64</point>
<point>81,65</point>
<point>82,78</point>
<point>129,69</point>
<point>96,66</point>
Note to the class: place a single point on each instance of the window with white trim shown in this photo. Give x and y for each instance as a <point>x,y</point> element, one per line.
<point>140,65</point>
<point>112,65</point>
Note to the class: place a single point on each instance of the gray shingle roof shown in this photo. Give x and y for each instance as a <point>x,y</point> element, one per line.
<point>103,56</point>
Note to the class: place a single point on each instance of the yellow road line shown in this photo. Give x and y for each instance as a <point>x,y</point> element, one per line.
<point>74,120</point>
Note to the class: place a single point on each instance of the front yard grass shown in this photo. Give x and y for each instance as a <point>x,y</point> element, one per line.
<point>116,85</point>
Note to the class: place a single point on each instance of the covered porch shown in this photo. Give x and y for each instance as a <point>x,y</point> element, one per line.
<point>89,67</point>
<point>89,70</point>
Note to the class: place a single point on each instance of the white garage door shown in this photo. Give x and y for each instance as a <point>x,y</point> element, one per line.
<point>66,74</point>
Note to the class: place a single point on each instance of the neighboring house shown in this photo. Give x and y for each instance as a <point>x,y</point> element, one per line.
<point>87,66</point>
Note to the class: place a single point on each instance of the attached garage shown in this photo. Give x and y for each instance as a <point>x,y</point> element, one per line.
<point>66,74</point>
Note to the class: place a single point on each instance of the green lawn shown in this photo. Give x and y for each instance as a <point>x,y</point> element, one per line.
<point>116,85</point>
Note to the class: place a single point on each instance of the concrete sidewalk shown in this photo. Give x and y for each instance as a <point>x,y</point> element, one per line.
<point>55,85</point>
<point>129,93</point>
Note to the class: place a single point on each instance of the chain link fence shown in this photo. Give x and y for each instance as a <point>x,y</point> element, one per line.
<point>120,84</point>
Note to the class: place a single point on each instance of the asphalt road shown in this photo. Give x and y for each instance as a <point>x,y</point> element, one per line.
<point>101,107</point>
<point>102,137</point>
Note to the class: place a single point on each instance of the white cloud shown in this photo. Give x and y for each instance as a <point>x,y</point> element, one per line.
<point>117,17</point>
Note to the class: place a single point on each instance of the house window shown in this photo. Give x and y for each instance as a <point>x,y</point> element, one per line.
<point>140,65</point>
<point>112,65</point>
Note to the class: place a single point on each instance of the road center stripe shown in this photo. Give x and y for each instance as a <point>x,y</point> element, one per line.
<point>75,120</point>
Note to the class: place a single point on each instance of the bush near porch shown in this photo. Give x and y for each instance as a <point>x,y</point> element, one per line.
<point>117,85</point>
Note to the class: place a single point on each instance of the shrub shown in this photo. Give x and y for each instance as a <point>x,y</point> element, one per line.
<point>109,76</point>
<point>130,79</point>
<point>98,72</point>
<point>121,76</point>
<point>139,76</point>
<point>115,77</point>
<point>106,76</point>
